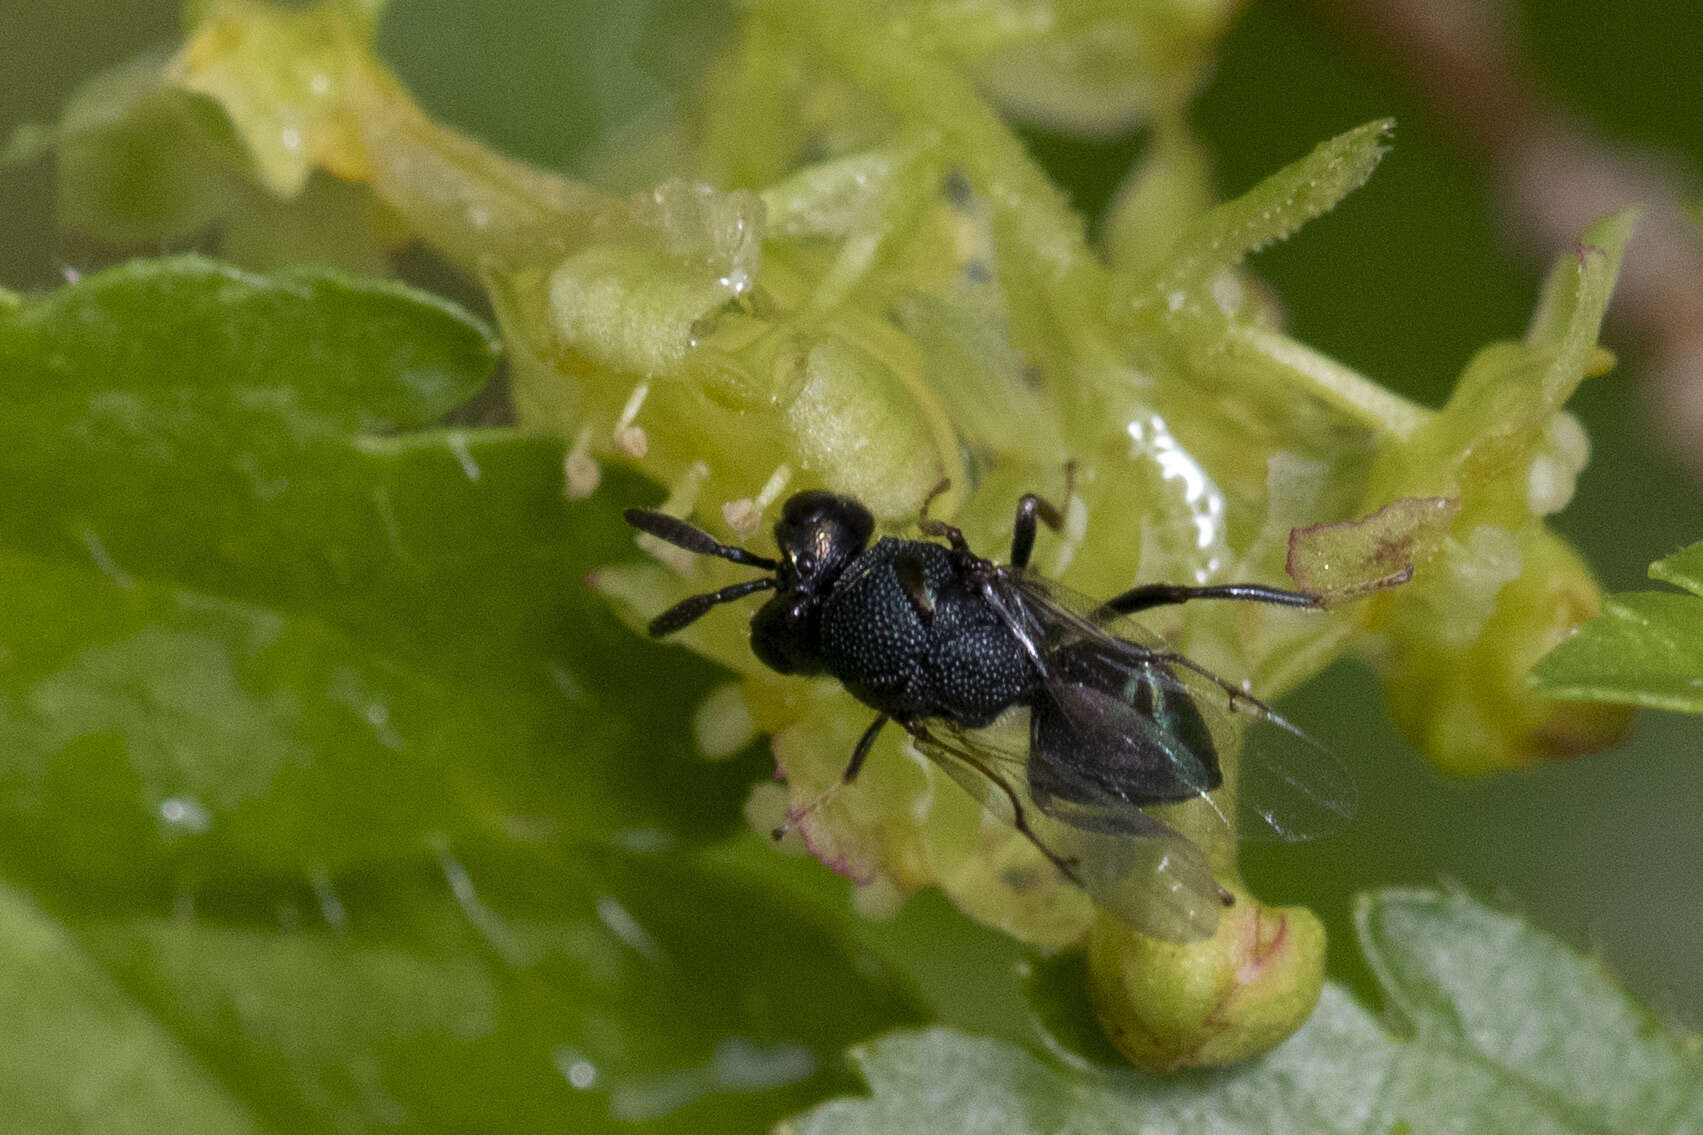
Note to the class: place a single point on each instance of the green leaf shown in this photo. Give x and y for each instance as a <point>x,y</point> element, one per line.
<point>245,635</point>
<point>497,991</point>
<point>1682,569</point>
<point>1645,649</point>
<point>1492,1026</point>
<point>339,801</point>
<point>578,988</point>
<point>80,1055</point>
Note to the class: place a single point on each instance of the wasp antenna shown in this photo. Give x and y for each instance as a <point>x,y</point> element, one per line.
<point>689,611</point>
<point>673,530</point>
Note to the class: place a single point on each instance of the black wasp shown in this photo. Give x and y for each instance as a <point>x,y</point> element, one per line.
<point>953,647</point>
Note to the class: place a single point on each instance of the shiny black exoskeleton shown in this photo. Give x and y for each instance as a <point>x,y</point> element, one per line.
<point>941,640</point>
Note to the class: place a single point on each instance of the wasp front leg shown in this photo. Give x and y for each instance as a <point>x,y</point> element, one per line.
<point>1030,509</point>
<point>939,529</point>
<point>1033,507</point>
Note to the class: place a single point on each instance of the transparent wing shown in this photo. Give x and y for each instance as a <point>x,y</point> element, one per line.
<point>1133,865</point>
<point>1124,717</point>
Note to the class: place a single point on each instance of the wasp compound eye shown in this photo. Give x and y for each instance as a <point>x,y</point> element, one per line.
<point>782,637</point>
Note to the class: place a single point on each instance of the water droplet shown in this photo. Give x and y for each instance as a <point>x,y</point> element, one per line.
<point>486,921</point>
<point>566,682</point>
<point>575,1068</point>
<point>183,812</point>
<point>108,567</point>
<point>457,442</point>
<point>330,906</point>
<point>624,926</point>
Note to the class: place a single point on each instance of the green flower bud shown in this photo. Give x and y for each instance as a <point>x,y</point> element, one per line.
<point>1457,682</point>
<point>1231,997</point>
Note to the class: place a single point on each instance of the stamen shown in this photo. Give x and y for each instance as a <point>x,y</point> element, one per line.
<point>745,515</point>
<point>580,472</point>
<point>628,438</point>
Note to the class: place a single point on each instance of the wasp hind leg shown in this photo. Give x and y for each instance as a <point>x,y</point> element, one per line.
<point>1152,595</point>
<point>1067,864</point>
<point>860,753</point>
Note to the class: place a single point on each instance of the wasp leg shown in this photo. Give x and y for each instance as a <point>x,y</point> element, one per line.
<point>1166,594</point>
<point>1029,509</point>
<point>1020,821</point>
<point>861,751</point>
<point>939,529</point>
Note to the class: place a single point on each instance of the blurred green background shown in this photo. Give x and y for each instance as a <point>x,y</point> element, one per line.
<point>1404,282</point>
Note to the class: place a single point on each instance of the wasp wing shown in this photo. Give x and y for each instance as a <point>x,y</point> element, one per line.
<point>1133,865</point>
<point>1125,717</point>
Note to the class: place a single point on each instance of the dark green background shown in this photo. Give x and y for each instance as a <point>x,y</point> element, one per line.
<point>1404,281</point>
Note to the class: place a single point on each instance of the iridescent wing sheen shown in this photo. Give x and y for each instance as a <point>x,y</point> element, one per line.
<point>1132,864</point>
<point>1124,718</point>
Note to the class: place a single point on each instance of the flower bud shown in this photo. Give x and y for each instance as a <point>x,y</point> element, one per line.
<point>1230,997</point>
<point>1465,700</point>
